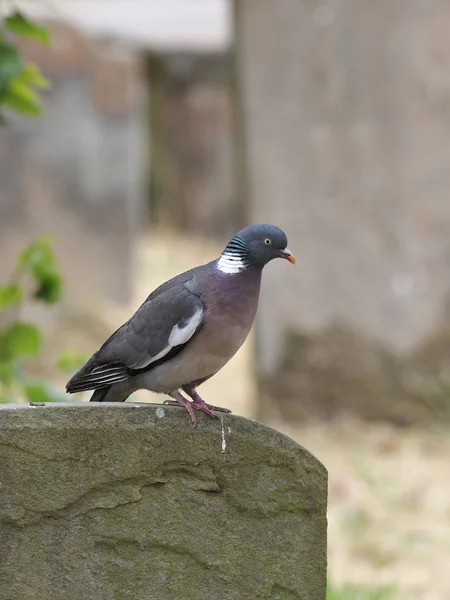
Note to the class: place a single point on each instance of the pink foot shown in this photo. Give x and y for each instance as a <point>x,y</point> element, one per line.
<point>185,403</point>
<point>200,404</point>
<point>203,408</point>
<point>197,404</point>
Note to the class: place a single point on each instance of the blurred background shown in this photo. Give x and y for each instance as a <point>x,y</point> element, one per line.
<point>164,126</point>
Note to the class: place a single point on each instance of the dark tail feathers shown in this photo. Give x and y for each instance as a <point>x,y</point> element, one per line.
<point>99,395</point>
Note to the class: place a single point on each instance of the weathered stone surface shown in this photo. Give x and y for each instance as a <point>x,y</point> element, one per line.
<point>132,501</point>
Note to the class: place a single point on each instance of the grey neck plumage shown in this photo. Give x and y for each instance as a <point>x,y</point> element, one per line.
<point>235,258</point>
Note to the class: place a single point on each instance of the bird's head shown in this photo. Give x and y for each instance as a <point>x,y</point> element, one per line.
<point>255,245</point>
<point>266,242</point>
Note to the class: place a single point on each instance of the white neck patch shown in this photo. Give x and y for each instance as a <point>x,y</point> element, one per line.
<point>231,263</point>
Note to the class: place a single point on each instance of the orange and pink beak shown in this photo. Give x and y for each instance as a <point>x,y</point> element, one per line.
<point>287,254</point>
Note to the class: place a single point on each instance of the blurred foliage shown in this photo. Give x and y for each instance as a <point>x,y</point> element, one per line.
<point>18,79</point>
<point>70,362</point>
<point>350,592</point>
<point>36,278</point>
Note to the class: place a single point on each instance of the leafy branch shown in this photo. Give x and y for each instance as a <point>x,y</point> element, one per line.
<point>36,278</point>
<point>19,79</point>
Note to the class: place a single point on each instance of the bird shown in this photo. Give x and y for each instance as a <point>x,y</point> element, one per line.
<point>188,328</point>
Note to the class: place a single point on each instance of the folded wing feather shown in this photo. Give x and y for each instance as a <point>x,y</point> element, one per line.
<point>158,329</point>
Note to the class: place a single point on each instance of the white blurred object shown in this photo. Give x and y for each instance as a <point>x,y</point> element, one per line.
<point>157,25</point>
<point>402,285</point>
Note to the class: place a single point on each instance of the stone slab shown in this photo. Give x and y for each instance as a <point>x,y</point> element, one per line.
<point>104,502</point>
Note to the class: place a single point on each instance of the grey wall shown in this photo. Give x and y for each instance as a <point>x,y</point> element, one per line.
<point>78,172</point>
<point>192,125</point>
<point>346,134</point>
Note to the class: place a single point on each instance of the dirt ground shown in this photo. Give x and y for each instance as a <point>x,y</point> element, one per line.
<point>389,489</point>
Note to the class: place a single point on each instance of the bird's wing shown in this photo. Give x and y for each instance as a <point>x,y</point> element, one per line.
<point>160,328</point>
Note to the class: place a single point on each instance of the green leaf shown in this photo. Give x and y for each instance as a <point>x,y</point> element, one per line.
<point>10,65</point>
<point>39,259</point>
<point>50,285</point>
<point>70,362</point>
<point>25,27</point>
<point>32,75</point>
<point>10,295</point>
<point>36,392</point>
<point>22,339</point>
<point>5,350</point>
<point>8,372</point>
<point>39,251</point>
<point>20,97</point>
<point>39,391</point>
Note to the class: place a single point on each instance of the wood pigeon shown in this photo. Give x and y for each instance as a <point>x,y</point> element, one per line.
<point>188,328</point>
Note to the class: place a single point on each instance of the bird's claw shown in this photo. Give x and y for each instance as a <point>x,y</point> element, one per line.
<point>204,408</point>
<point>218,408</point>
<point>191,407</point>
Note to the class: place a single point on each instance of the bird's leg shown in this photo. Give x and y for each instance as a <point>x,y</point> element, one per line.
<point>200,404</point>
<point>189,406</point>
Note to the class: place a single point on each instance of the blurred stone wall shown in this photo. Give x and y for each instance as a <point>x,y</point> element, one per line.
<point>347,128</point>
<point>78,173</point>
<point>193,181</point>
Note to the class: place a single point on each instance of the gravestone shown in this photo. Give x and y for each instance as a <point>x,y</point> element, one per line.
<point>133,501</point>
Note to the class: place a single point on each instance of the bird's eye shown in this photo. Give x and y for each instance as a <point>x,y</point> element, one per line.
<point>268,242</point>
